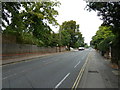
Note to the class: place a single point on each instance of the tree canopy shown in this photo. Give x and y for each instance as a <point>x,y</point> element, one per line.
<point>30,19</point>
<point>70,34</point>
<point>110,14</point>
<point>102,38</point>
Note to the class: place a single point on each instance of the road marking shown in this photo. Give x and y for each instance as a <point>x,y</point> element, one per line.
<point>62,81</point>
<point>84,56</point>
<point>23,70</point>
<point>77,64</point>
<point>75,85</point>
<point>43,61</point>
<point>4,78</point>
<point>9,76</point>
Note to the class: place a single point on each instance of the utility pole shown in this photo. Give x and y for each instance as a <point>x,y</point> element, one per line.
<point>60,38</point>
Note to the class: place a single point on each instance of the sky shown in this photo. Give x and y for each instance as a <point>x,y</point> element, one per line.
<point>74,10</point>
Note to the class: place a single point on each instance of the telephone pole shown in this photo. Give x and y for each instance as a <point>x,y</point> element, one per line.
<point>59,38</point>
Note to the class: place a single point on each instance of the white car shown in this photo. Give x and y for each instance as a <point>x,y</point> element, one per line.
<point>81,48</point>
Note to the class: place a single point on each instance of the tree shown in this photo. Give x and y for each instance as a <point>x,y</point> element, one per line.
<point>71,36</point>
<point>104,45</point>
<point>101,34</point>
<point>54,41</point>
<point>33,19</point>
<point>102,39</point>
<point>110,12</point>
<point>9,10</point>
<point>65,38</point>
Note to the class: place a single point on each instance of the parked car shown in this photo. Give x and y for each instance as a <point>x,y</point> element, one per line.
<point>81,48</point>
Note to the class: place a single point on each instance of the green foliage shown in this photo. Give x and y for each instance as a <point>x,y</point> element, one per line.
<point>86,45</point>
<point>103,33</point>
<point>65,37</point>
<point>102,39</point>
<point>70,34</point>
<point>104,45</point>
<point>12,8</point>
<point>54,39</point>
<point>27,38</point>
<point>30,25</point>
<point>39,14</point>
<point>110,12</point>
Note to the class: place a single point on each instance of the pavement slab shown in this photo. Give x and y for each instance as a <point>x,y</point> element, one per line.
<point>98,73</point>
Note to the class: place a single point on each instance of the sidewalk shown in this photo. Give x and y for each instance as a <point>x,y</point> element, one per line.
<point>98,73</point>
<point>27,57</point>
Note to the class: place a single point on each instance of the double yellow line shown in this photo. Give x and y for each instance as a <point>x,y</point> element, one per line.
<point>75,85</point>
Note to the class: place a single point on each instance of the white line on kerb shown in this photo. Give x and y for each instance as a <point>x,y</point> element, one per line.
<point>77,64</point>
<point>62,81</point>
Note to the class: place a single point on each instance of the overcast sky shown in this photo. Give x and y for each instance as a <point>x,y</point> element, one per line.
<point>74,10</point>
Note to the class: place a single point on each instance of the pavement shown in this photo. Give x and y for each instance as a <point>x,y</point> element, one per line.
<point>99,73</point>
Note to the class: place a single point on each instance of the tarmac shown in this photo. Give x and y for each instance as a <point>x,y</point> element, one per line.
<point>25,58</point>
<point>98,72</point>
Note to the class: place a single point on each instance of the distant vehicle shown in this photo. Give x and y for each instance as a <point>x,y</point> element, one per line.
<point>81,48</point>
<point>71,48</point>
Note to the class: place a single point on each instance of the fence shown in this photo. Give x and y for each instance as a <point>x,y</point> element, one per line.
<point>10,49</point>
<point>19,50</point>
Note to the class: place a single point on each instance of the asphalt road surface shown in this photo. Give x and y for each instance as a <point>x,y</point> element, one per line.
<point>54,71</point>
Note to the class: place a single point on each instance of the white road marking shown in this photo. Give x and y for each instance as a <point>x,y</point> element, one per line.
<point>9,76</point>
<point>43,61</point>
<point>84,56</point>
<point>19,72</point>
<point>62,81</point>
<point>4,78</point>
<point>77,64</point>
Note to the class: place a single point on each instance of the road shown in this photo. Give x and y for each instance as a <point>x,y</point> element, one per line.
<point>54,71</point>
